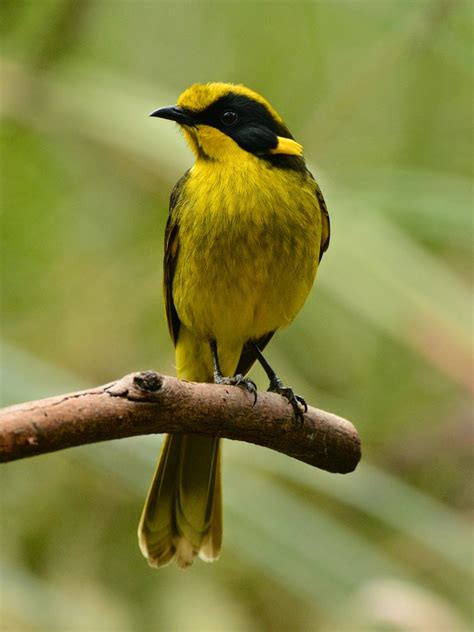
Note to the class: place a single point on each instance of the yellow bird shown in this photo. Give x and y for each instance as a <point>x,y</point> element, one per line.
<point>247,227</point>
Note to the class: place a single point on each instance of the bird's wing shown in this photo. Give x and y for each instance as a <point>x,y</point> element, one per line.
<point>325,223</point>
<point>170,258</point>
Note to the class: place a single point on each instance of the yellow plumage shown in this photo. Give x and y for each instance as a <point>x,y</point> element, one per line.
<point>247,228</point>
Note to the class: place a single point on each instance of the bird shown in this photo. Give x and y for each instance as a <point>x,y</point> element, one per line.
<point>246,230</point>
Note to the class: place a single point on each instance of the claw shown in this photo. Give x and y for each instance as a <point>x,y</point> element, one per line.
<point>297,402</point>
<point>241,381</point>
<point>300,407</point>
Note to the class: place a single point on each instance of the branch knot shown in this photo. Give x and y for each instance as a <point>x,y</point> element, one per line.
<point>148,381</point>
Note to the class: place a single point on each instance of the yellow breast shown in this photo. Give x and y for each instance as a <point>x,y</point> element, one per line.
<point>249,239</point>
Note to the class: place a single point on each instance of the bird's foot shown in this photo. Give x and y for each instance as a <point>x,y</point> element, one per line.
<point>238,380</point>
<point>297,403</point>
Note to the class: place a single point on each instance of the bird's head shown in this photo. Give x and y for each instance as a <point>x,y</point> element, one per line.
<point>220,120</point>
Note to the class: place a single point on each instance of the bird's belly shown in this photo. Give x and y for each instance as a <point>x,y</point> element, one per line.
<point>237,280</point>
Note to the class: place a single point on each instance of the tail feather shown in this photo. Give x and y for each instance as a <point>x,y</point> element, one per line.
<point>211,545</point>
<point>182,516</point>
<point>155,530</point>
<point>195,489</point>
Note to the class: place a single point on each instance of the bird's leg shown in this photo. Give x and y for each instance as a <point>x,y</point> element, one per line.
<point>236,380</point>
<point>276,386</point>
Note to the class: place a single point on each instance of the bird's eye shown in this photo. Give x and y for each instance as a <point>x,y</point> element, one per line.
<point>229,118</point>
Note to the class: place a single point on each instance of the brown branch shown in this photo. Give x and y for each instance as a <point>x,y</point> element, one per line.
<point>146,403</point>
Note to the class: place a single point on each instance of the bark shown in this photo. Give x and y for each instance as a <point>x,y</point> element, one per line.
<point>147,403</point>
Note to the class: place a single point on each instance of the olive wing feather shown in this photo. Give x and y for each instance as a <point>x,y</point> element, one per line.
<point>170,258</point>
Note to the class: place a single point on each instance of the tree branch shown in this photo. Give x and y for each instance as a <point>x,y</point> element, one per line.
<point>146,403</point>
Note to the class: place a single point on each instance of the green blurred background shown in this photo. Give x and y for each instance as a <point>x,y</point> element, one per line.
<point>379,93</point>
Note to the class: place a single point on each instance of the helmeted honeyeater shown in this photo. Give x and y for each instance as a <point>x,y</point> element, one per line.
<point>246,230</point>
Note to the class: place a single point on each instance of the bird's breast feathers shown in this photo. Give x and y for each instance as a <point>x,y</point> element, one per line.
<point>249,240</point>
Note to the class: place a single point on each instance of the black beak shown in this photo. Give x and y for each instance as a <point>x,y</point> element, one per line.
<point>175,113</point>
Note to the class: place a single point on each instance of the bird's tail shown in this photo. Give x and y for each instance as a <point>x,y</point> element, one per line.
<point>182,516</point>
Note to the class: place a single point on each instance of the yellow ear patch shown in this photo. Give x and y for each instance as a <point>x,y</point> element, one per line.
<point>287,146</point>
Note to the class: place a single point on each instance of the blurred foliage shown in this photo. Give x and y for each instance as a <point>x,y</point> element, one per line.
<point>380,96</point>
